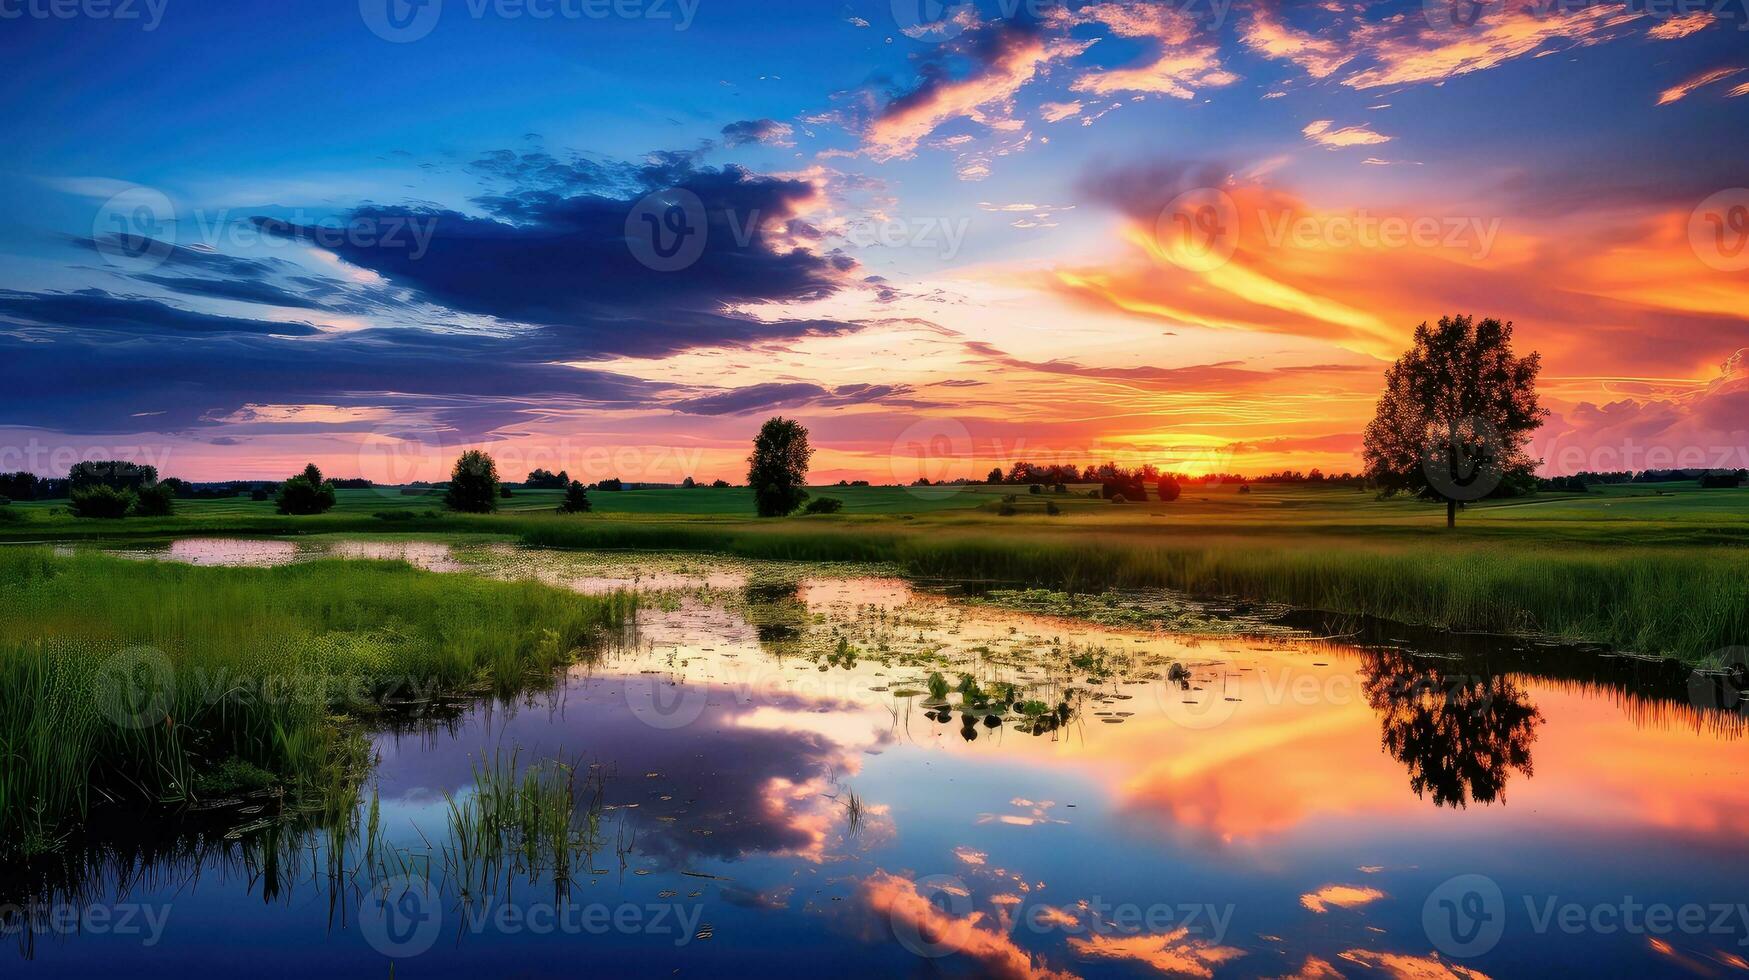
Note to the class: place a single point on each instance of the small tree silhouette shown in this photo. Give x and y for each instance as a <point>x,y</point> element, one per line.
<point>576,499</point>
<point>1456,415</point>
<point>306,493</point>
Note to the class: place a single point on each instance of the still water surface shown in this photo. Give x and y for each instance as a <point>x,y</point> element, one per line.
<point>770,789</point>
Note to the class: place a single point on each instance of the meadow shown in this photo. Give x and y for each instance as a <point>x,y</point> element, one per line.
<point>1649,568</point>
<point>163,684</point>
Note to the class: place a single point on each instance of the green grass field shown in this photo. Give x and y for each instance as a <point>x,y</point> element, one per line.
<point>126,680</point>
<point>1644,567</point>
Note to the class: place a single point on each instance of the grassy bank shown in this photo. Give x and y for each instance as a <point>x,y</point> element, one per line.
<point>130,680</point>
<point>1650,568</point>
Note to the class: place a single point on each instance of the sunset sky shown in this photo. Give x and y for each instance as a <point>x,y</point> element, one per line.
<point>369,234</point>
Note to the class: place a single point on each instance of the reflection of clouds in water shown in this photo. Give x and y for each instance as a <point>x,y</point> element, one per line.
<point>1406,966</point>
<point>1340,896</point>
<point>1032,814</point>
<point>1175,953</point>
<point>741,792</point>
<point>906,911</point>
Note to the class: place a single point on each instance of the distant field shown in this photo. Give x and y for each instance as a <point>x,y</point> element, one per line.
<point>1651,568</point>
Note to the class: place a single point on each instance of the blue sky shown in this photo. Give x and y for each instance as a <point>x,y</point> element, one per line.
<point>952,217</point>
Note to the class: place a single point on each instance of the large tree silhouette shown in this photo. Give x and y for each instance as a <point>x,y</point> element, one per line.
<point>778,469</point>
<point>1456,415</point>
<point>1461,736</point>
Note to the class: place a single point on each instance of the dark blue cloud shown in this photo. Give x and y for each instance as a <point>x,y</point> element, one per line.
<point>770,395</point>
<point>96,310</point>
<point>563,262</point>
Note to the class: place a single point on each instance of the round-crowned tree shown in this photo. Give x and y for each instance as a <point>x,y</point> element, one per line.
<point>473,484</point>
<point>778,469</point>
<point>1456,417</point>
<point>306,493</point>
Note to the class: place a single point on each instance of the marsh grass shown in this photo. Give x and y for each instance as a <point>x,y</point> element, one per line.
<point>123,680</point>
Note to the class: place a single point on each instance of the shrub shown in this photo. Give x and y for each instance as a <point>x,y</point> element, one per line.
<point>1007,509</point>
<point>1169,489</point>
<point>1051,508</point>
<point>473,484</point>
<point>1035,489</point>
<point>258,495</point>
<point>720,484</point>
<point>103,501</point>
<point>824,505</point>
<point>5,501</point>
<point>306,493</point>
<point>576,499</point>
<point>1117,498</point>
<point>611,483</point>
<point>393,515</point>
<point>157,500</point>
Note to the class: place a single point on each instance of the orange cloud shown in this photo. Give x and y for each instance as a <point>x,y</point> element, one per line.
<point>911,913</point>
<point>1340,896</point>
<point>1172,953</point>
<point>1319,132</point>
<point>1182,66</point>
<point>1404,966</point>
<point>1679,27</point>
<point>984,96</point>
<point>1682,90</point>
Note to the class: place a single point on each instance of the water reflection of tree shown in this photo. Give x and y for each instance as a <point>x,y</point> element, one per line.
<point>1460,735</point>
<point>778,612</point>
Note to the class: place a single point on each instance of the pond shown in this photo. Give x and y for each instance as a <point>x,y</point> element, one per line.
<point>760,780</point>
